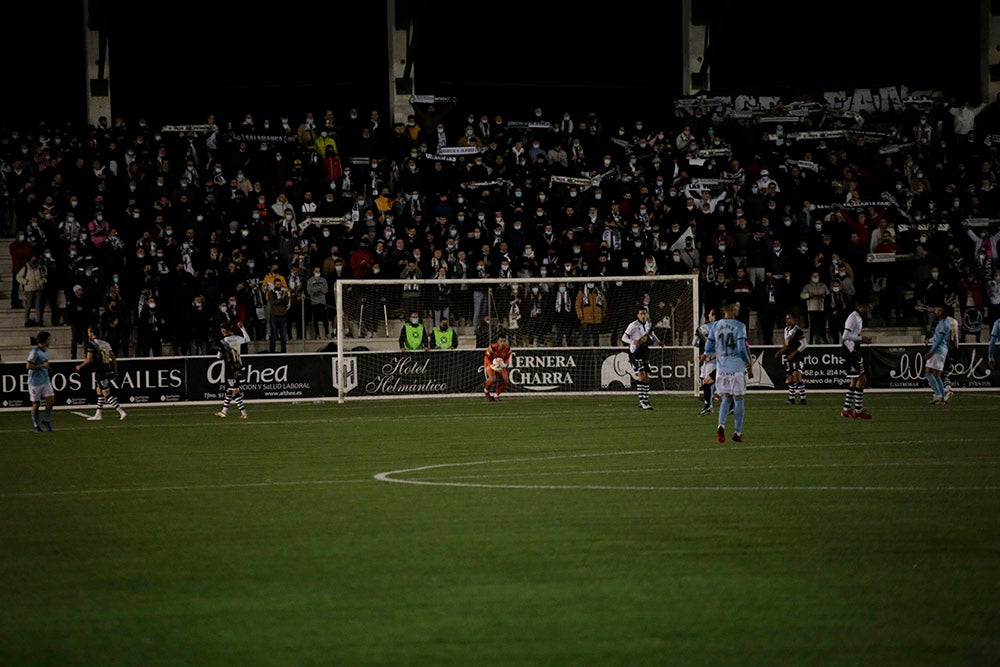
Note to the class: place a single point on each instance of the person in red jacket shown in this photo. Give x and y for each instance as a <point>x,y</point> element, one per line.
<point>863,223</point>
<point>332,168</point>
<point>362,260</point>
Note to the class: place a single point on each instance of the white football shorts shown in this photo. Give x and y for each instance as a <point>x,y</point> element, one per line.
<point>734,384</point>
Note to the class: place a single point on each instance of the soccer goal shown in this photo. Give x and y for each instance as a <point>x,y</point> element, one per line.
<point>565,334</point>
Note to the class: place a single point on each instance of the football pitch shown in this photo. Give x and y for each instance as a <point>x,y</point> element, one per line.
<point>550,530</point>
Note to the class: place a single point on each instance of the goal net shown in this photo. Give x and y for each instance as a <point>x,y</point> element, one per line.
<point>565,334</point>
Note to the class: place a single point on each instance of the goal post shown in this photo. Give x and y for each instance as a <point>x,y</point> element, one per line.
<point>565,333</point>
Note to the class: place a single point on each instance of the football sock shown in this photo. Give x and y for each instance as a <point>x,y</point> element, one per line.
<point>727,402</point>
<point>113,402</point>
<point>802,390</point>
<point>936,385</point>
<point>859,399</point>
<point>100,403</point>
<point>47,415</point>
<point>34,419</point>
<point>738,414</point>
<point>791,391</point>
<point>849,399</point>
<point>642,388</point>
<point>706,392</point>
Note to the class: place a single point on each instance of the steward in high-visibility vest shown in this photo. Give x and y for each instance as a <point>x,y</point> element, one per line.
<point>445,338</point>
<point>412,336</point>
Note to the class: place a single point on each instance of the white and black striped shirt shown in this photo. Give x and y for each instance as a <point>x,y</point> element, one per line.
<point>639,334</point>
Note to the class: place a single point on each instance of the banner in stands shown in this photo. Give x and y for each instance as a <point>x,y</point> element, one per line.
<point>532,370</point>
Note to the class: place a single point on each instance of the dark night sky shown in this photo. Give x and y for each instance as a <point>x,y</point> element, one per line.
<point>227,58</point>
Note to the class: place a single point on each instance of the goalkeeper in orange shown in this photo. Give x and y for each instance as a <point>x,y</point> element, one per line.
<point>495,363</point>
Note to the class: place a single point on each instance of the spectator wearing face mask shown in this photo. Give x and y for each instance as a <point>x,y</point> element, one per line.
<point>470,138</point>
<point>326,143</point>
<point>317,289</point>
<point>591,306</point>
<point>413,335</point>
<point>115,328</point>
<point>150,329</point>
<point>928,293</point>
<point>53,286</point>
<point>196,327</point>
<point>814,294</point>
<point>20,252</point>
<point>31,280</point>
<point>838,306</point>
<point>984,243</point>
<point>279,300</point>
<point>566,320</point>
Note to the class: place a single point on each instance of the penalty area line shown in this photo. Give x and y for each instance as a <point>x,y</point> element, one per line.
<point>181,487</point>
<point>606,487</point>
<point>390,476</point>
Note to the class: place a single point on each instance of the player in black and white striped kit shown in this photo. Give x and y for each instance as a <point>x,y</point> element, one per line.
<point>791,357</point>
<point>105,364</point>
<point>234,337</point>
<point>638,336</point>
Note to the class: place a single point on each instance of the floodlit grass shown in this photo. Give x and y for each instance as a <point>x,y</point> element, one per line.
<point>540,530</point>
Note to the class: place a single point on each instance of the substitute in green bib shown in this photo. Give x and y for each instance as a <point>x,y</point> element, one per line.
<point>413,336</point>
<point>444,337</point>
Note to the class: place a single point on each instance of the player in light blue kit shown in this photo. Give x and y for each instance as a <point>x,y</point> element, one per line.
<point>934,358</point>
<point>732,357</point>
<point>39,382</point>
<point>994,341</point>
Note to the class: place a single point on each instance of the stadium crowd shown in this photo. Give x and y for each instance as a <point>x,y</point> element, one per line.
<point>163,234</point>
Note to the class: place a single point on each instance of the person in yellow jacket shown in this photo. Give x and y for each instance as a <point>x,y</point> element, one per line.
<point>591,306</point>
<point>325,140</point>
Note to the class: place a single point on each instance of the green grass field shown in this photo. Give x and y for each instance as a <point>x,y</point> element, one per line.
<point>537,531</point>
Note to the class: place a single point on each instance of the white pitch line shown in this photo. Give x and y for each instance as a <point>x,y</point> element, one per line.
<point>389,476</point>
<point>186,487</point>
<point>594,487</point>
<point>386,477</point>
<point>714,468</point>
<point>212,421</point>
